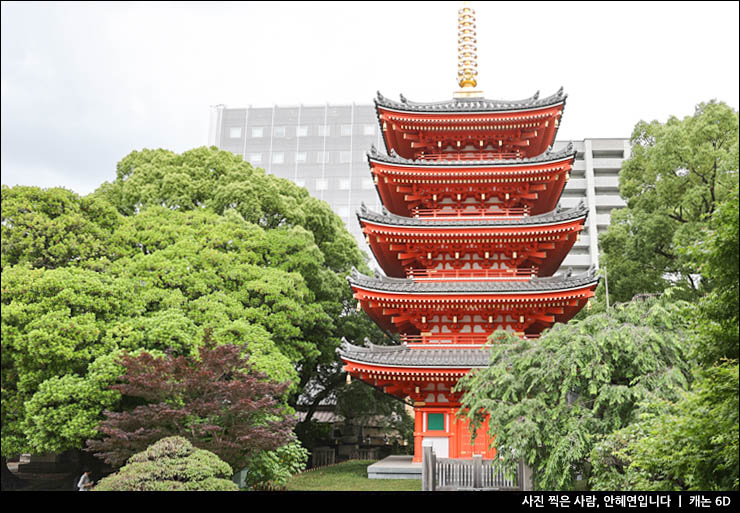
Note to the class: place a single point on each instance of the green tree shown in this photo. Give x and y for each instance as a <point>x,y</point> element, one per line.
<point>171,464</point>
<point>66,409</point>
<point>551,400</point>
<point>716,256</point>
<point>304,237</point>
<point>176,245</point>
<point>678,173</point>
<point>56,323</point>
<point>54,227</point>
<point>691,443</point>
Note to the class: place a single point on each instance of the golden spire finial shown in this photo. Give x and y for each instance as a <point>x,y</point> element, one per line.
<point>467,58</point>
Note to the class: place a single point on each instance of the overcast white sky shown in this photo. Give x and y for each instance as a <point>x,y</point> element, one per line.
<point>83,84</point>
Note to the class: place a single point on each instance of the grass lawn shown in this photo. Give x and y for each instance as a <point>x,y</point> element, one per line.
<point>349,476</point>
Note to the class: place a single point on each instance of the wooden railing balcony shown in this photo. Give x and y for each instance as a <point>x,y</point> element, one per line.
<point>447,339</point>
<point>477,339</point>
<point>471,274</point>
<point>467,155</point>
<point>487,213</point>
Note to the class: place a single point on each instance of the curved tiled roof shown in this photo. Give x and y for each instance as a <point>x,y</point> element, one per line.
<point>548,156</point>
<point>403,356</point>
<point>472,105</point>
<point>559,282</point>
<point>556,216</point>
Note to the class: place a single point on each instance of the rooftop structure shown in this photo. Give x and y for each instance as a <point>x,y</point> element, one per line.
<point>411,246</point>
<point>469,237</point>
<point>497,129</point>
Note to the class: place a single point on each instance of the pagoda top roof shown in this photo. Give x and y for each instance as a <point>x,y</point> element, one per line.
<point>558,282</point>
<point>403,356</point>
<point>568,151</point>
<point>472,105</point>
<point>558,215</point>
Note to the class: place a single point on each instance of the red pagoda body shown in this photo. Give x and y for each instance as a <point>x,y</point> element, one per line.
<point>470,239</point>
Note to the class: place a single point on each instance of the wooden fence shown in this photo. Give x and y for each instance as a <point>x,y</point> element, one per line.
<point>446,474</point>
<point>323,456</point>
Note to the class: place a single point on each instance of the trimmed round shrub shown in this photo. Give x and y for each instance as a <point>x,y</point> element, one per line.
<point>171,464</point>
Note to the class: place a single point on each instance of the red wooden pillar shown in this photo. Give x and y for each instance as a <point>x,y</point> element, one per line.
<point>418,433</point>
<point>454,442</point>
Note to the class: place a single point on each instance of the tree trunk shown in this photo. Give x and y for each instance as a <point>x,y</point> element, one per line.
<point>334,381</point>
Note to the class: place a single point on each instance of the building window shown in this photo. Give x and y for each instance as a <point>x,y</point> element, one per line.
<point>301,131</point>
<point>346,130</point>
<point>322,157</point>
<point>368,130</point>
<point>301,156</point>
<point>343,212</point>
<point>344,183</point>
<point>345,157</point>
<point>278,158</point>
<point>323,130</point>
<point>322,184</point>
<point>279,131</point>
<point>367,183</point>
<point>435,421</point>
<point>300,182</point>
<point>255,158</point>
<point>258,132</point>
<point>235,132</point>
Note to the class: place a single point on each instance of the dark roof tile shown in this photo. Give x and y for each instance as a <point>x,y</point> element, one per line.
<point>565,281</point>
<point>403,356</point>
<point>555,216</point>
<point>471,104</point>
<point>548,156</point>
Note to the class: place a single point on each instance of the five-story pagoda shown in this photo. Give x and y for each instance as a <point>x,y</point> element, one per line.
<point>469,239</point>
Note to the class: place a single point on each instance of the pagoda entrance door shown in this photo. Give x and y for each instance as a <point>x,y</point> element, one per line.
<point>434,429</point>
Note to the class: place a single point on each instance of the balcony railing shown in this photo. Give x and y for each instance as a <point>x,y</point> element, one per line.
<point>471,274</point>
<point>446,339</point>
<point>467,155</point>
<point>489,213</point>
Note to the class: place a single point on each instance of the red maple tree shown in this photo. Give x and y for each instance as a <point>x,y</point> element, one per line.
<point>217,401</point>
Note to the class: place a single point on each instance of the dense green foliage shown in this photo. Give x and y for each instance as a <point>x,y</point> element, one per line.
<point>687,444</point>
<point>677,175</point>
<point>171,464</point>
<point>57,322</point>
<point>174,246</point>
<point>304,237</point>
<point>54,227</point>
<point>273,469</point>
<point>66,409</point>
<point>716,255</point>
<point>691,443</point>
<point>550,400</point>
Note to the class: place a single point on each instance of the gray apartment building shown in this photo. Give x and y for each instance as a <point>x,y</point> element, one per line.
<point>323,148</point>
